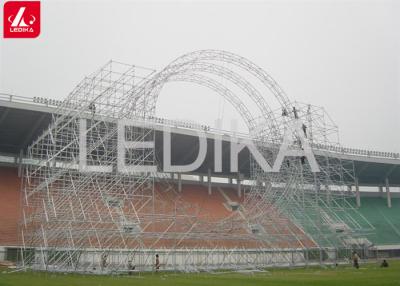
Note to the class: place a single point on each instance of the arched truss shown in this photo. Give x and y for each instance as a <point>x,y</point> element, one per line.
<point>220,89</point>
<point>245,64</point>
<point>207,65</point>
<point>205,68</point>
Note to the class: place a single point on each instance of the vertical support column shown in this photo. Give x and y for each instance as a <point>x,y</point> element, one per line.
<point>239,185</point>
<point>358,199</point>
<point>380,191</point>
<point>209,181</point>
<point>172,176</point>
<point>349,189</point>
<point>179,182</point>
<point>201,178</point>
<point>20,163</point>
<point>230,181</point>
<point>388,196</point>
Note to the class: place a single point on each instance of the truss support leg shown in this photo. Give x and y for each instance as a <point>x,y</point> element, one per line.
<point>388,196</point>
<point>358,199</point>
<point>209,181</point>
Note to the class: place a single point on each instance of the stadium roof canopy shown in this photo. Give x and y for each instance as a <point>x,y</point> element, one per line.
<point>22,120</point>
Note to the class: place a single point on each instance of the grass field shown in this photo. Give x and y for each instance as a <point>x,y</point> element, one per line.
<point>368,274</point>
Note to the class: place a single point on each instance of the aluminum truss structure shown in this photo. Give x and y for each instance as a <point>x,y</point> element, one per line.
<point>83,211</point>
<point>319,203</point>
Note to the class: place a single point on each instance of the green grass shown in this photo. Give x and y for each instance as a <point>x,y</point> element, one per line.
<point>368,274</point>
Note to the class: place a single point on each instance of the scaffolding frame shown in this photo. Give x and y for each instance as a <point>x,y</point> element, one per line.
<point>102,219</point>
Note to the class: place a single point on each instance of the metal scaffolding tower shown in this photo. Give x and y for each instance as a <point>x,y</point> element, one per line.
<point>85,211</point>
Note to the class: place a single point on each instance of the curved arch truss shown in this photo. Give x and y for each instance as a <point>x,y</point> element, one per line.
<point>83,211</point>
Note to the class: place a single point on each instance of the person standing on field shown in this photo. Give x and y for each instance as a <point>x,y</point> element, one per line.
<point>355,259</point>
<point>157,263</point>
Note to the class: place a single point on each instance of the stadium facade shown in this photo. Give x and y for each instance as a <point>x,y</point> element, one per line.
<point>64,209</point>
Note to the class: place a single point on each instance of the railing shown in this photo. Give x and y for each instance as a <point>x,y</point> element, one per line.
<point>180,123</point>
<point>354,151</point>
<point>190,125</point>
<point>32,100</point>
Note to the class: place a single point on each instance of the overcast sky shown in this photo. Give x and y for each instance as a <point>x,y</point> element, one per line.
<point>342,55</point>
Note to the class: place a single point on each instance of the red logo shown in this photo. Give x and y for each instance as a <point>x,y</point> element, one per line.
<point>21,19</point>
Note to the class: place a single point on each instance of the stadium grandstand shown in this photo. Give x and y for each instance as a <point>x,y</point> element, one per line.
<point>67,210</point>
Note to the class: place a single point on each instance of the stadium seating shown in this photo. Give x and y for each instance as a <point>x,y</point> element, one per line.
<point>386,221</point>
<point>9,206</point>
<point>220,212</point>
<point>210,206</point>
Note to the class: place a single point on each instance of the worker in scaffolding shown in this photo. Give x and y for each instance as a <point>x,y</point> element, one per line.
<point>92,108</point>
<point>296,116</point>
<point>304,127</point>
